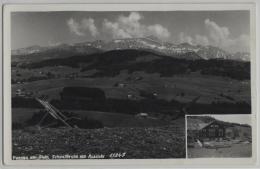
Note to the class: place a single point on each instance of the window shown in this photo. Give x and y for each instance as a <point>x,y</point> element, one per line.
<point>211,132</point>
<point>204,134</point>
<point>220,133</point>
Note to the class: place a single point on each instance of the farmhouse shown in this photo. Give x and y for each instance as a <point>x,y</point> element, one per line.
<point>120,85</point>
<point>22,93</point>
<point>206,130</point>
<point>141,115</point>
<point>212,130</point>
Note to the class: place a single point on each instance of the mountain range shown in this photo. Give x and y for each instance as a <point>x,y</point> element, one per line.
<point>147,43</point>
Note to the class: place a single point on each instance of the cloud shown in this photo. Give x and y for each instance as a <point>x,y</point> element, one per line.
<point>158,31</point>
<point>130,27</point>
<point>201,40</point>
<point>197,40</point>
<point>89,24</point>
<point>74,27</point>
<point>219,36</point>
<point>123,27</point>
<point>81,28</point>
<point>115,30</point>
<point>183,38</point>
<point>241,43</point>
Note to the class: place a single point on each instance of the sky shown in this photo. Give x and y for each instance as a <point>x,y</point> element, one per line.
<point>229,30</point>
<point>235,118</point>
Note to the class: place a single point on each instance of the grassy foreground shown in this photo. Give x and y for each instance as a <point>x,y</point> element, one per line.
<point>157,142</point>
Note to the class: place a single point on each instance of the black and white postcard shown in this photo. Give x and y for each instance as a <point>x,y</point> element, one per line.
<point>113,82</point>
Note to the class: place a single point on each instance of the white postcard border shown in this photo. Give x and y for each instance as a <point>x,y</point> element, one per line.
<point>123,7</point>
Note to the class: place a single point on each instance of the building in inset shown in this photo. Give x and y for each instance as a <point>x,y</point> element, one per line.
<point>211,130</point>
<point>199,129</point>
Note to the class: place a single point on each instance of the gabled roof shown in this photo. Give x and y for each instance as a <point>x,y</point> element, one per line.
<point>195,124</point>
<point>199,124</point>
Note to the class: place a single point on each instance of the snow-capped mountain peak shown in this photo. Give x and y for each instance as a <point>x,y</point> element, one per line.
<point>144,43</point>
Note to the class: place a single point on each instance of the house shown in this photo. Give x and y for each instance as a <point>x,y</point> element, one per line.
<point>212,129</point>
<point>129,96</point>
<point>23,93</point>
<point>120,85</point>
<point>141,115</point>
<point>155,94</point>
<point>241,132</point>
<point>230,132</point>
<point>207,131</point>
<point>20,93</point>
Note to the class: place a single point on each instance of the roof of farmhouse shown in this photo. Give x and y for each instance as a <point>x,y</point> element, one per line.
<point>197,124</point>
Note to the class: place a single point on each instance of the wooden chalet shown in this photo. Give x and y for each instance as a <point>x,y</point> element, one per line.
<point>212,129</point>
<point>204,131</point>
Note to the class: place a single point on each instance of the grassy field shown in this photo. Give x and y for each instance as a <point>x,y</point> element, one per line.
<point>236,150</point>
<point>137,142</point>
<point>21,115</point>
<point>182,88</point>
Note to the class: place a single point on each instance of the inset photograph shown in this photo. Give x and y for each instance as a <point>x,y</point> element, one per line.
<point>219,136</point>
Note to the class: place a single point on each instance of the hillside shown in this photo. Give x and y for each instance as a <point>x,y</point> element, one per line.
<point>134,79</point>
<point>145,43</point>
<point>111,63</point>
<point>37,53</point>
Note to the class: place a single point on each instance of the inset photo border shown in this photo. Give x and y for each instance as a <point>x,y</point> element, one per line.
<point>219,136</point>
